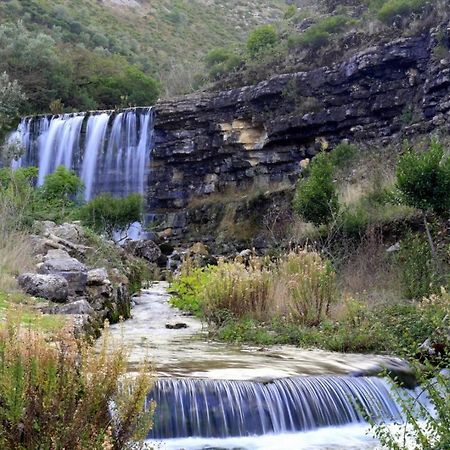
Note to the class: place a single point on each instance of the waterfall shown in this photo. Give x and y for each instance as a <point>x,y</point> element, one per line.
<point>218,409</point>
<point>109,150</point>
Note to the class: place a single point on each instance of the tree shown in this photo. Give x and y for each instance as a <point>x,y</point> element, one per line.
<point>31,59</point>
<point>316,199</point>
<point>261,39</point>
<point>423,181</point>
<point>11,99</point>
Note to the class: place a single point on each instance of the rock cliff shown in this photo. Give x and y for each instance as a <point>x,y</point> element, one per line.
<point>211,144</point>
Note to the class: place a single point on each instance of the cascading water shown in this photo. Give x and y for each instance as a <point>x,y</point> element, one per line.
<point>219,409</point>
<point>109,150</point>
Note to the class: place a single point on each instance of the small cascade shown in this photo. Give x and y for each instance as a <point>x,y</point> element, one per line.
<point>219,409</point>
<point>109,150</point>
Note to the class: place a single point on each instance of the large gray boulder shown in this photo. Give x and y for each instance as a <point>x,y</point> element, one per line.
<point>147,250</point>
<point>51,287</point>
<point>79,307</point>
<point>59,262</point>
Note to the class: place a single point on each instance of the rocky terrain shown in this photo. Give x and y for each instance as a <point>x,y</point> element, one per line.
<point>211,147</point>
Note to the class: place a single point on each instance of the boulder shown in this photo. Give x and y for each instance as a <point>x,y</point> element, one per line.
<point>199,249</point>
<point>59,262</point>
<point>51,287</point>
<point>97,277</point>
<point>147,250</point>
<point>72,232</point>
<point>79,307</point>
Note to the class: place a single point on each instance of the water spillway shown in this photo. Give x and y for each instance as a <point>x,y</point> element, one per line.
<point>109,150</point>
<point>220,408</point>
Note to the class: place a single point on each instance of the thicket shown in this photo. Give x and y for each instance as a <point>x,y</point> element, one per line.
<point>64,394</point>
<point>60,199</point>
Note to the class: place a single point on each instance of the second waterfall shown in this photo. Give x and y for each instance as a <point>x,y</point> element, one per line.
<point>109,150</point>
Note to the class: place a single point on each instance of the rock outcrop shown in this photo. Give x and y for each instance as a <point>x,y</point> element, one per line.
<point>89,295</point>
<point>213,143</point>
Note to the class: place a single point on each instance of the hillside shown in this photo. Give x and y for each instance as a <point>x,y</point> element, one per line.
<point>166,39</point>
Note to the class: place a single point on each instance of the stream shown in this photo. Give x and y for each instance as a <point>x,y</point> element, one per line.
<point>212,395</point>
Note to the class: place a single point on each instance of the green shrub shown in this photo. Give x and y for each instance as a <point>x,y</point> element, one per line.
<point>320,33</point>
<point>187,288</point>
<point>316,198</point>
<point>423,179</point>
<point>343,155</point>
<point>106,213</point>
<point>392,9</point>
<point>261,39</point>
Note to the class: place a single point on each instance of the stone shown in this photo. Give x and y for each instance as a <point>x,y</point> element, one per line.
<point>199,248</point>
<point>50,287</point>
<point>147,250</point>
<point>97,277</point>
<point>59,262</point>
<point>72,232</point>
<point>176,326</point>
<point>394,248</point>
<point>79,307</point>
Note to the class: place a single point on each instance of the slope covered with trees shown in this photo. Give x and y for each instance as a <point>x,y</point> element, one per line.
<point>90,55</point>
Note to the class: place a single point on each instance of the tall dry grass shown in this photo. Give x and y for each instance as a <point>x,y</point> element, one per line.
<point>62,394</point>
<point>15,249</point>
<point>300,286</point>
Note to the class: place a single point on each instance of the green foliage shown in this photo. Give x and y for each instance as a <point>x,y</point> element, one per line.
<point>320,33</point>
<point>423,179</point>
<point>106,213</point>
<point>221,61</point>
<point>187,289</point>
<point>343,155</point>
<point>261,39</point>
<point>63,184</point>
<point>316,199</point>
<point>11,100</point>
<point>393,9</point>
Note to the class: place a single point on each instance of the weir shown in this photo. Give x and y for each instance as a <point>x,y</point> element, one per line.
<point>109,150</point>
<point>221,408</point>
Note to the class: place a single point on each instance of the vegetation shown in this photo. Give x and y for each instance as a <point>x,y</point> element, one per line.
<point>260,39</point>
<point>11,100</point>
<point>109,214</point>
<point>60,394</point>
<point>316,198</point>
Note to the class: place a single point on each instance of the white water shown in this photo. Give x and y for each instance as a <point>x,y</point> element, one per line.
<point>109,151</point>
<point>350,437</point>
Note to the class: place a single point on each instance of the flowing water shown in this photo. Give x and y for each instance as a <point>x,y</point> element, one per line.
<point>215,396</point>
<point>109,150</point>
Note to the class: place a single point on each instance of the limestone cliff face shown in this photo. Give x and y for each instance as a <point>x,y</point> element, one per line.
<point>259,135</point>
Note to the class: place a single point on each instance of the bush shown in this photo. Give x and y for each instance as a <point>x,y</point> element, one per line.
<point>316,198</point>
<point>320,33</point>
<point>423,180</point>
<point>108,214</point>
<point>261,39</point>
<point>393,9</point>
<point>418,270</point>
<point>426,415</point>
<point>343,155</point>
<point>61,393</point>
